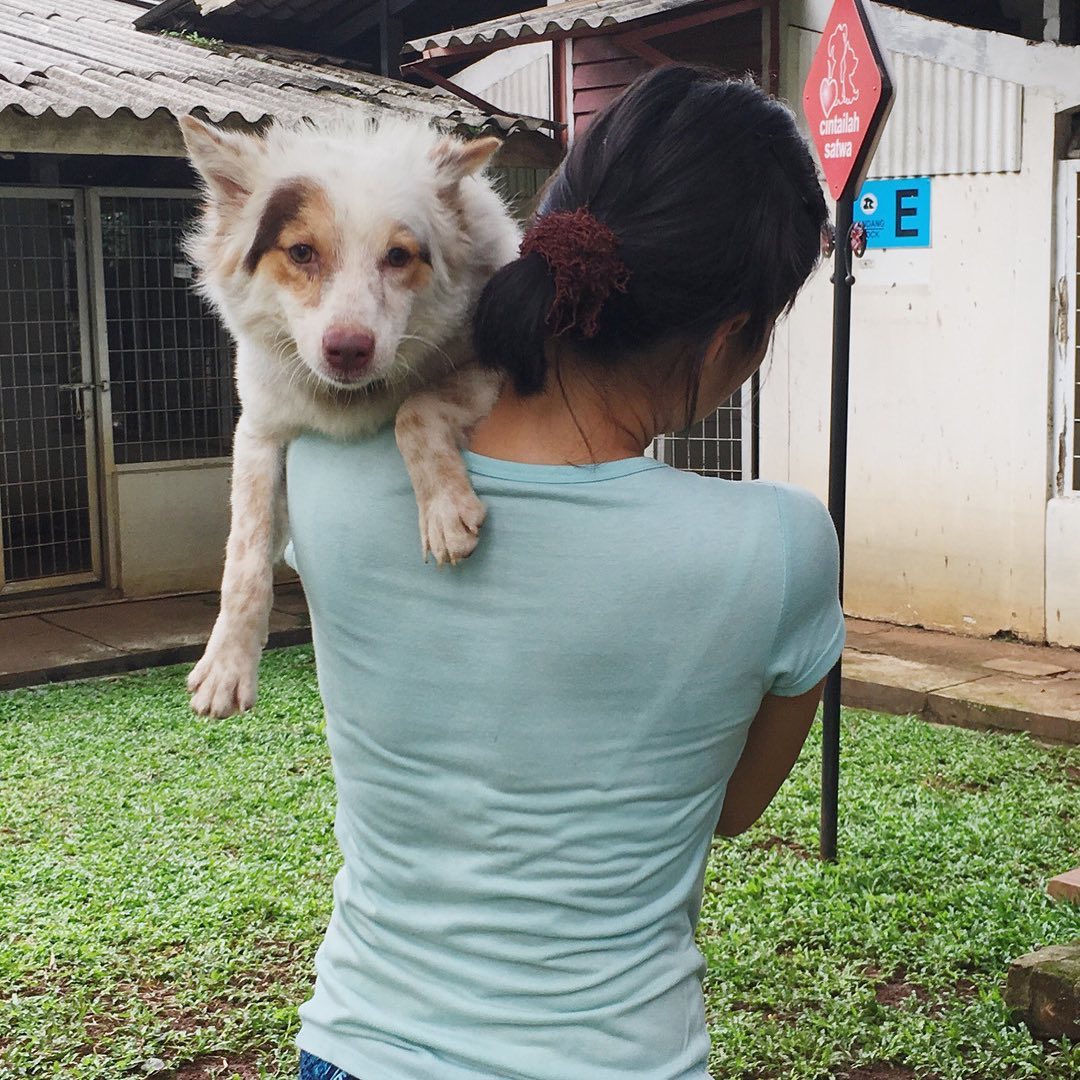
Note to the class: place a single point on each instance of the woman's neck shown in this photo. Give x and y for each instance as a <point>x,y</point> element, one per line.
<point>575,423</point>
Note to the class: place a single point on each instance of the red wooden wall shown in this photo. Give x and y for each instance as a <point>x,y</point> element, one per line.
<point>603,68</point>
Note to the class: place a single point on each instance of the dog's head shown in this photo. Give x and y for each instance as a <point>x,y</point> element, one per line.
<point>355,249</point>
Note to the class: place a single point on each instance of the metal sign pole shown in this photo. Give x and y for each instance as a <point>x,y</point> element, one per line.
<point>846,99</point>
<point>838,437</point>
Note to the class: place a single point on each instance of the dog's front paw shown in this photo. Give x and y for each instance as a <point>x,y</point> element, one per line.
<point>225,681</point>
<point>450,526</point>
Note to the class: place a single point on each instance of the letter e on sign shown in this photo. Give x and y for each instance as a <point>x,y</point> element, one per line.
<point>847,96</point>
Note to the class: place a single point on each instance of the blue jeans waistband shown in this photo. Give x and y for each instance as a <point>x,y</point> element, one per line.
<point>314,1068</point>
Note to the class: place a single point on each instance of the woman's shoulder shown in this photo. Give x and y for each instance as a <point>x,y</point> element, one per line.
<point>771,497</point>
<point>803,516</point>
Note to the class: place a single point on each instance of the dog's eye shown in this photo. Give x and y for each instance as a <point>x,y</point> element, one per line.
<point>301,253</point>
<point>398,257</point>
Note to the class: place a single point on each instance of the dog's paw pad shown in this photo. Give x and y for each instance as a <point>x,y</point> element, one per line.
<point>450,526</point>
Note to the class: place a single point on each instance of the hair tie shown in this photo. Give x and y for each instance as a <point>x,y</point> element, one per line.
<point>582,254</point>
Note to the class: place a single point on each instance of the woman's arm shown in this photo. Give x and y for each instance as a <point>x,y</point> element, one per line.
<point>776,737</point>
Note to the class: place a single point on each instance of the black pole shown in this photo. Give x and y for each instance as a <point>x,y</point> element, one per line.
<point>838,432</point>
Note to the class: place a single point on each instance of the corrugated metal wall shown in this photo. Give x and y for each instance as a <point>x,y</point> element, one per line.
<point>944,121</point>
<point>527,90</point>
<point>517,80</point>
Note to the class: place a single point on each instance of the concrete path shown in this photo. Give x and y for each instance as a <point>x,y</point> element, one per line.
<point>971,682</point>
<point>101,639</point>
<point>942,677</point>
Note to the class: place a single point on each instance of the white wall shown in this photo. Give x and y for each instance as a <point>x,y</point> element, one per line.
<point>171,526</point>
<point>948,466</point>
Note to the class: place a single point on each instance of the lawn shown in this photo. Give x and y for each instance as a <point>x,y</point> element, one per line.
<point>165,880</point>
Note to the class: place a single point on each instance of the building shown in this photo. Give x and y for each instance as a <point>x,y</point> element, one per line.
<point>964,476</point>
<point>116,396</point>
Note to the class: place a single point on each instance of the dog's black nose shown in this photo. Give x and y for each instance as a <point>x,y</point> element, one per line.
<point>348,350</point>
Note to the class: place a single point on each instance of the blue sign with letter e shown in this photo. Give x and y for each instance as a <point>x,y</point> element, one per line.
<point>896,213</point>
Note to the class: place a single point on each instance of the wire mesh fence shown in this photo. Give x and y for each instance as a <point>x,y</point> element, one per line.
<point>170,359</point>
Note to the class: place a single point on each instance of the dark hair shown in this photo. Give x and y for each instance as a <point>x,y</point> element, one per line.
<point>714,198</point>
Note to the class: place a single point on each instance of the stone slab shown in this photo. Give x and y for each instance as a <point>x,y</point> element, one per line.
<point>859,693</point>
<point>30,644</point>
<point>912,675</point>
<point>1030,668</point>
<point>1048,710</point>
<point>1043,988</point>
<point>1065,886</point>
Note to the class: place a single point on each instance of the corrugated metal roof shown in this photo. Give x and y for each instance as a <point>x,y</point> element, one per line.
<point>298,10</point>
<point>61,56</point>
<point>545,21</point>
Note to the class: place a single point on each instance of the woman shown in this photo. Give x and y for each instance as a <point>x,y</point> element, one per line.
<point>533,751</point>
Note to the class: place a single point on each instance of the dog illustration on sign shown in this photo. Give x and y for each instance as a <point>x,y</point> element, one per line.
<point>838,87</point>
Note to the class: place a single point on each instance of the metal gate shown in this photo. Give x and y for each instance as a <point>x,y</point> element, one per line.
<point>171,398</point>
<point>50,528</point>
<point>108,363</point>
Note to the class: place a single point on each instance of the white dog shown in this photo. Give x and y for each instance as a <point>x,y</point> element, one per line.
<point>346,262</point>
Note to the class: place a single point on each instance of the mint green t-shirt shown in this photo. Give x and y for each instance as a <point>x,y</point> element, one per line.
<point>531,751</point>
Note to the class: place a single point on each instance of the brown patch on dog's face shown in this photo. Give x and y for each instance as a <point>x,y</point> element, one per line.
<point>296,241</point>
<point>407,261</point>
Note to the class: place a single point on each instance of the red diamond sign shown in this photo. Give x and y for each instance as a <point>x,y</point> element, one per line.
<point>847,96</point>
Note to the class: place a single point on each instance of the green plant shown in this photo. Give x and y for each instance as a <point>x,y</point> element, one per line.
<point>166,879</point>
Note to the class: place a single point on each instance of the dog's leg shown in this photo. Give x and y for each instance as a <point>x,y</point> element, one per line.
<point>432,427</point>
<point>224,681</point>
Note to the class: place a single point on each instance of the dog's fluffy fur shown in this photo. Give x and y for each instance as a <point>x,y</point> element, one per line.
<point>389,233</point>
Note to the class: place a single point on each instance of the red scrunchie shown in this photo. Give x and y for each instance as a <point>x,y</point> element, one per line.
<point>582,253</point>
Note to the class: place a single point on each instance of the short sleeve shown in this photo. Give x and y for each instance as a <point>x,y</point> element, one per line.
<point>810,633</point>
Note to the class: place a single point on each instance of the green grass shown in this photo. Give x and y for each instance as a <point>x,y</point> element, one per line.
<point>165,880</point>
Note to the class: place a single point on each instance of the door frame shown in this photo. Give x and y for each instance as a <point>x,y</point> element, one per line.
<point>1062,583</point>
<point>1063,379</point>
<point>91,398</point>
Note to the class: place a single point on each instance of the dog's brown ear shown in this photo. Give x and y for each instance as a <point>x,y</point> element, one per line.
<point>455,159</point>
<point>226,160</point>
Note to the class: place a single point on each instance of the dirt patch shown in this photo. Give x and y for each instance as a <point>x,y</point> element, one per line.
<point>883,1070</point>
<point>896,990</point>
<point>780,843</point>
<point>1072,773</point>
<point>963,989</point>
<point>937,782</point>
<point>766,1012</point>
<point>111,1009</point>
<point>218,1067</point>
<point>280,964</point>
